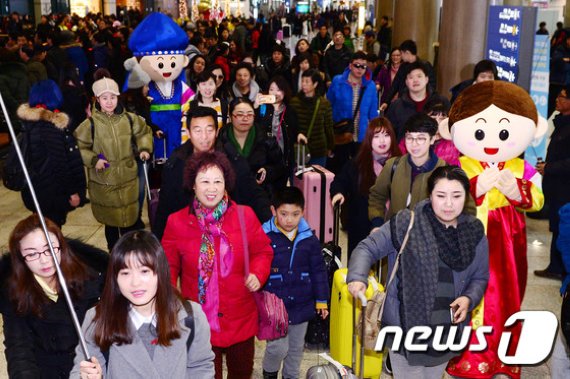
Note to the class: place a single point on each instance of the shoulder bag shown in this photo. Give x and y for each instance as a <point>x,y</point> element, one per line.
<point>375,308</point>
<point>344,129</point>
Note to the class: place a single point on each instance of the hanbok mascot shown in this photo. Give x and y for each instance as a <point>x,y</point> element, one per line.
<point>159,43</point>
<point>491,124</point>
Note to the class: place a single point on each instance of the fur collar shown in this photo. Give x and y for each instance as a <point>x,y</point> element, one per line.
<point>27,113</point>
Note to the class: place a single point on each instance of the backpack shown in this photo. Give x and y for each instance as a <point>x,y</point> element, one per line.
<point>13,176</point>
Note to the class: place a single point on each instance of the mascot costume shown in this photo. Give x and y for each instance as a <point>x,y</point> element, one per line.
<point>491,124</point>
<point>159,43</point>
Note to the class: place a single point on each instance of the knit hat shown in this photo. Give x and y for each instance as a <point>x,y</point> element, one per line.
<point>137,77</point>
<point>105,85</point>
<point>278,47</point>
<point>157,34</point>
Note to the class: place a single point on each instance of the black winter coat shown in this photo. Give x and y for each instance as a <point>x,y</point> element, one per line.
<point>173,196</point>
<point>401,110</point>
<point>56,159</point>
<point>347,183</point>
<point>265,153</point>
<point>336,61</point>
<point>556,180</point>
<point>44,348</point>
<point>399,82</point>
<point>264,116</point>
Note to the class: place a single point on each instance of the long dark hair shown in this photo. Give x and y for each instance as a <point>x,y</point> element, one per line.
<point>364,160</point>
<point>25,292</point>
<point>112,312</point>
<point>283,85</point>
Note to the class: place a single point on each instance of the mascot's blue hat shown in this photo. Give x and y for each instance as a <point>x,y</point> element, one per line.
<point>157,34</point>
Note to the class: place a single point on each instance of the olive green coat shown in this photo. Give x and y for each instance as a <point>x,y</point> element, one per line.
<point>114,191</point>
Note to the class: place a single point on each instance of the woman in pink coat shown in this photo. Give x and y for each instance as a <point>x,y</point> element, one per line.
<point>204,246</point>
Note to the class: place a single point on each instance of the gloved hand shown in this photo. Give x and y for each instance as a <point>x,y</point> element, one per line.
<point>507,184</point>
<point>487,180</point>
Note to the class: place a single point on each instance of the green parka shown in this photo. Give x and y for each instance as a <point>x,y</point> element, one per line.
<point>114,190</point>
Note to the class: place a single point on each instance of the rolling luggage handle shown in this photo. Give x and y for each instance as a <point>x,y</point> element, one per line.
<point>364,302</point>
<point>302,167</point>
<point>146,182</point>
<point>158,161</point>
<point>336,223</point>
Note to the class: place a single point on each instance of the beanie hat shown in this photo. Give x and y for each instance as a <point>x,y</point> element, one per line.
<point>157,34</point>
<point>105,85</point>
<point>137,77</point>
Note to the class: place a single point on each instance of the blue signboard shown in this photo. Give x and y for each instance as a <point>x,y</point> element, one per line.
<point>539,92</point>
<point>503,40</point>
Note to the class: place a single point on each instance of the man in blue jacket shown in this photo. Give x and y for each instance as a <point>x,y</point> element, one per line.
<point>344,95</point>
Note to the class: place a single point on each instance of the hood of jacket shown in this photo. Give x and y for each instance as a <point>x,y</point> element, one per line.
<point>29,114</point>
<point>253,90</point>
<point>304,230</point>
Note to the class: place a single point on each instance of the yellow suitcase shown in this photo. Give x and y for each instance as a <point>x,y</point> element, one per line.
<point>342,327</point>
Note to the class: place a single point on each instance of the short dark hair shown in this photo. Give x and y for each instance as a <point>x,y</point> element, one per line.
<point>437,103</point>
<point>449,173</point>
<point>358,55</point>
<point>247,66</point>
<point>289,195</point>
<point>200,112</point>
<point>417,65</point>
<point>409,45</point>
<point>240,100</point>
<point>202,161</point>
<point>372,58</point>
<point>484,66</point>
<point>421,123</point>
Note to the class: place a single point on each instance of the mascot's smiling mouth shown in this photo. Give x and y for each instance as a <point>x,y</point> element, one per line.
<point>167,74</point>
<point>491,150</point>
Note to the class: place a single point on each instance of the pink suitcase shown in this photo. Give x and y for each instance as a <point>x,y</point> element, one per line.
<point>315,182</point>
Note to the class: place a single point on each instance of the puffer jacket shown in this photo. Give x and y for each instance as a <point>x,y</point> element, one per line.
<point>114,191</point>
<point>54,157</point>
<point>340,96</point>
<point>321,139</point>
<point>298,275</point>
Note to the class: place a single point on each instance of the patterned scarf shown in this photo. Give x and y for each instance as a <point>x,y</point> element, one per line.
<point>210,221</point>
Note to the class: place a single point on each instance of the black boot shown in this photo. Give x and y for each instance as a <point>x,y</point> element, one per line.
<point>270,375</point>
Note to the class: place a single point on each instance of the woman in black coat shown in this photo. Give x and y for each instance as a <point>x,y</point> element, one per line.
<point>53,156</point>
<point>243,138</point>
<point>279,120</point>
<point>39,335</point>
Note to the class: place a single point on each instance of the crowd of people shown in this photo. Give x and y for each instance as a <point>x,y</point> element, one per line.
<point>225,219</point>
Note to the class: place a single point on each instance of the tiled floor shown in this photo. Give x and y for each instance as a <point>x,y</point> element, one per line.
<point>541,294</point>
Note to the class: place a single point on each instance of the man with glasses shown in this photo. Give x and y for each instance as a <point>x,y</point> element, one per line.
<point>354,102</point>
<point>413,100</point>
<point>556,180</point>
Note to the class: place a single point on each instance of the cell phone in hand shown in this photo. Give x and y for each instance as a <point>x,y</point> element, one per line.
<point>258,175</point>
<point>266,99</point>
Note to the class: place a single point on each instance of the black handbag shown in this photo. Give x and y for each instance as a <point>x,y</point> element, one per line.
<point>344,129</point>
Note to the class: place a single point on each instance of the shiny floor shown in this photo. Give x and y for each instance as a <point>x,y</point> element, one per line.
<point>541,294</point>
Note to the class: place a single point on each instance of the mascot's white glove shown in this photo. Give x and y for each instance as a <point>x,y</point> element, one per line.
<point>507,184</point>
<point>487,180</point>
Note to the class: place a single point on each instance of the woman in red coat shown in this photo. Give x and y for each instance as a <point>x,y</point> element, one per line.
<point>204,247</point>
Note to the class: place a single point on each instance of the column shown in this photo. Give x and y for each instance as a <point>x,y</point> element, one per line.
<point>567,14</point>
<point>385,8</point>
<point>41,7</point>
<point>417,20</point>
<point>462,41</point>
<point>109,7</point>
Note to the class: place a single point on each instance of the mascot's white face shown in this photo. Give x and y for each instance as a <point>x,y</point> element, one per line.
<point>164,68</point>
<point>493,135</point>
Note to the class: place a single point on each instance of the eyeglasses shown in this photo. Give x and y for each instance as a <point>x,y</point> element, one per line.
<point>243,115</point>
<point>437,114</point>
<point>419,140</point>
<point>35,256</point>
<point>360,66</point>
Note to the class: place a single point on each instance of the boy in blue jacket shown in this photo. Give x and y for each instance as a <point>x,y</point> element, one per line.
<point>298,276</point>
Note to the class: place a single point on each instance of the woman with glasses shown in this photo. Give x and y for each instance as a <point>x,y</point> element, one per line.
<point>243,139</point>
<point>39,335</point>
<point>222,81</point>
<point>403,181</point>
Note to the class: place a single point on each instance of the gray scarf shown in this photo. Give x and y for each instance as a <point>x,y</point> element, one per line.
<point>418,271</point>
